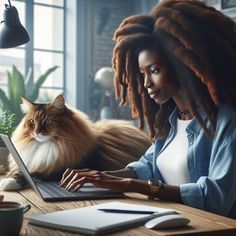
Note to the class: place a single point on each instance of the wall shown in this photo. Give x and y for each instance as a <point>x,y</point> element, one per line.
<point>108,14</point>
<point>90,25</point>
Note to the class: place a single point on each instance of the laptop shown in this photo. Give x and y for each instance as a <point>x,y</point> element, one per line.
<point>51,191</point>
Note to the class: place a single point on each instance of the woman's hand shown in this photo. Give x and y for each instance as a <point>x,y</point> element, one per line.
<point>74,179</point>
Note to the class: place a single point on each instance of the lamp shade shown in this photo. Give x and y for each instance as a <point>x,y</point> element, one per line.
<point>12,32</point>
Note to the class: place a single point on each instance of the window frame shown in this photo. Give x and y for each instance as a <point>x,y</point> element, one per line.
<point>29,47</point>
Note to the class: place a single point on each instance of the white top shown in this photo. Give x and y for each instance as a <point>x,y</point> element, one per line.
<point>172,161</point>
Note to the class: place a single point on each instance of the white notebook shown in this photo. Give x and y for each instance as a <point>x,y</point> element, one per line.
<point>92,221</point>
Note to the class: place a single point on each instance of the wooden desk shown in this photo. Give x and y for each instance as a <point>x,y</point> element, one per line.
<point>202,223</point>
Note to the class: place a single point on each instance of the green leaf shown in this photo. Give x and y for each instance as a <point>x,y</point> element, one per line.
<point>9,75</point>
<point>7,124</point>
<point>39,83</point>
<point>28,82</point>
<point>5,101</point>
<point>16,87</point>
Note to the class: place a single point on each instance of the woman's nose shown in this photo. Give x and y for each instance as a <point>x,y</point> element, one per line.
<point>147,81</point>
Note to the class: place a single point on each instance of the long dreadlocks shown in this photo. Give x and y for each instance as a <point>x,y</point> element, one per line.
<point>199,43</point>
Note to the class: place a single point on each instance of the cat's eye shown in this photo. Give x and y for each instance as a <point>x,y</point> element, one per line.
<point>32,122</point>
<point>48,121</point>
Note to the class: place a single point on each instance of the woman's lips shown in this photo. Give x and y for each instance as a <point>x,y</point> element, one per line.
<point>153,95</point>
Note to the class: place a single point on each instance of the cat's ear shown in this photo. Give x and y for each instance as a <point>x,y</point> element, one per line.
<point>26,105</point>
<point>58,102</point>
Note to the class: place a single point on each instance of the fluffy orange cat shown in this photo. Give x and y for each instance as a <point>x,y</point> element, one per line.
<point>52,137</point>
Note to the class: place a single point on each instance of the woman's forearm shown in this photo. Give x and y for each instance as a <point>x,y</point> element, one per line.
<point>124,173</point>
<point>123,180</point>
<point>166,192</point>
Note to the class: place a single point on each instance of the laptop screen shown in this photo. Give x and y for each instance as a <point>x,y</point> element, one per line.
<point>42,188</point>
<point>19,162</point>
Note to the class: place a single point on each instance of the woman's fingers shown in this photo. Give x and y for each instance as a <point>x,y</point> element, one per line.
<point>73,179</point>
<point>68,176</point>
<point>76,185</point>
<point>80,179</point>
<point>67,171</point>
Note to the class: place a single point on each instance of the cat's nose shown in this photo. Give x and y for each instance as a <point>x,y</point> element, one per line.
<point>36,133</point>
<point>37,130</point>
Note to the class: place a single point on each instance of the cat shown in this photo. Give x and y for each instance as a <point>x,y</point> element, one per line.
<point>52,137</point>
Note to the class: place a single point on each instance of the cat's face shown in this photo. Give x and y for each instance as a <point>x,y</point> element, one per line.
<point>43,120</point>
<point>41,124</point>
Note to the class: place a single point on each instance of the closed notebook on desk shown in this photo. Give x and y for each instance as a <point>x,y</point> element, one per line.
<point>92,221</point>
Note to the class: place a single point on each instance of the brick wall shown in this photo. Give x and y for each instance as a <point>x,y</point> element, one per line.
<point>108,14</point>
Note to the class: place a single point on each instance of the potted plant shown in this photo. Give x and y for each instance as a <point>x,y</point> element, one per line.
<point>7,126</point>
<point>18,86</point>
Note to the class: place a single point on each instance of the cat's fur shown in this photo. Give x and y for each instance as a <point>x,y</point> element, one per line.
<point>52,137</point>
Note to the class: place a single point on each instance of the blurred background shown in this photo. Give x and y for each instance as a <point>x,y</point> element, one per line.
<point>71,48</point>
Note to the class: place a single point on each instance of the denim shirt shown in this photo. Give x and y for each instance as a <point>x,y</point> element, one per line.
<point>211,163</point>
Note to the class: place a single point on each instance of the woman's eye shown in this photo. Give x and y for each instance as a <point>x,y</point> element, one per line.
<point>155,71</point>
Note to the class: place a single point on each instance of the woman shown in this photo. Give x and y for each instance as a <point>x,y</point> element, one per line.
<point>177,66</point>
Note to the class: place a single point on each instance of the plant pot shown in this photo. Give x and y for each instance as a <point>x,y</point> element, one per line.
<point>4,158</point>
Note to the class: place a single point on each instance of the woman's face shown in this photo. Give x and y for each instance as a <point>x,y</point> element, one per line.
<point>158,79</point>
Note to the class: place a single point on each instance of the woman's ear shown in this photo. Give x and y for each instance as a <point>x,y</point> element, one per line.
<point>26,105</point>
<point>58,102</point>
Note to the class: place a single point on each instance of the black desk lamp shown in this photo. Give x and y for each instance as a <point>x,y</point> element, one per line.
<point>12,32</point>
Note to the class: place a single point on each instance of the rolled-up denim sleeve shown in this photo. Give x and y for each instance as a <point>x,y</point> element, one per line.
<point>144,166</point>
<point>217,191</point>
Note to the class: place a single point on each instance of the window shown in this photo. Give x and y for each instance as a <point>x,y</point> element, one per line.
<point>15,56</point>
<point>44,20</point>
<point>48,47</point>
<point>228,3</point>
<point>228,7</point>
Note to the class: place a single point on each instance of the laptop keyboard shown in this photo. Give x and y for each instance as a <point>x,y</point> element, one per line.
<point>54,190</point>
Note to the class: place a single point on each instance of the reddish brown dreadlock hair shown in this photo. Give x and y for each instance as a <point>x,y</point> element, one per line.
<point>198,42</point>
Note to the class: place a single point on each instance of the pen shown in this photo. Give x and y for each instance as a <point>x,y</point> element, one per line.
<point>126,211</point>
